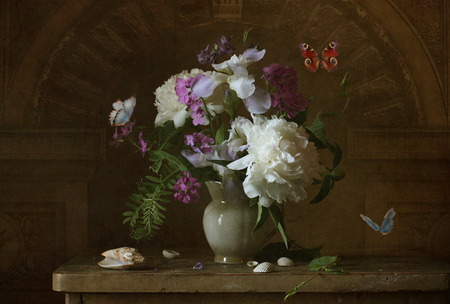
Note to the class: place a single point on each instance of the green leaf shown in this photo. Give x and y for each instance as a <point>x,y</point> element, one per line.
<point>337,155</point>
<point>126,220</point>
<point>168,131</point>
<point>221,134</point>
<point>153,179</point>
<point>345,81</point>
<point>277,218</point>
<point>132,206</point>
<point>322,262</point>
<point>128,213</point>
<point>263,215</point>
<point>345,94</point>
<point>323,191</point>
<point>318,133</point>
<point>300,118</point>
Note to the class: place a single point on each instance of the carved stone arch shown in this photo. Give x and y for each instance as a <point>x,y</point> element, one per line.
<point>96,61</point>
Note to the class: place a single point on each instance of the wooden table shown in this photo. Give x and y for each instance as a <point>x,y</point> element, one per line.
<point>369,280</point>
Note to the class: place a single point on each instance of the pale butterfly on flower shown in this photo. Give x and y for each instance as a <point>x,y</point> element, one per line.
<point>122,111</point>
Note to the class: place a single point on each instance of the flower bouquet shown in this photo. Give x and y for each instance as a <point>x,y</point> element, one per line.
<point>267,154</point>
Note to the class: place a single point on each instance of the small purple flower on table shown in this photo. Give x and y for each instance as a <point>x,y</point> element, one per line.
<point>187,189</point>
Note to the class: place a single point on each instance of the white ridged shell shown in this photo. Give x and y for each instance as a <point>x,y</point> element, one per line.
<point>285,262</point>
<point>170,254</point>
<point>252,263</point>
<point>264,267</point>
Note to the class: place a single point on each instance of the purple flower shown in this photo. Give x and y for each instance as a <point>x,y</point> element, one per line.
<point>224,46</point>
<point>197,117</point>
<point>187,189</point>
<point>287,99</point>
<point>143,143</point>
<point>199,142</point>
<point>182,91</point>
<point>126,128</point>
<point>206,57</point>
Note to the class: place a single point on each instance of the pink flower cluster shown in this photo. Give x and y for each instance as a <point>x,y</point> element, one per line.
<point>284,78</point>
<point>187,189</point>
<point>192,101</point>
<point>199,142</point>
<point>119,138</point>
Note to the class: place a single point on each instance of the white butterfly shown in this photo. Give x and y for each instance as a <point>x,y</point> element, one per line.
<point>122,111</point>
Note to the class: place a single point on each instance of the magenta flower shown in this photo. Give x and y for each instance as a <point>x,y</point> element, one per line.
<point>143,143</point>
<point>197,117</point>
<point>182,91</point>
<point>187,189</point>
<point>287,99</point>
<point>199,142</point>
<point>119,138</point>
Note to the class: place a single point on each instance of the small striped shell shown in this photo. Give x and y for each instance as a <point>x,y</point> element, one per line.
<point>264,267</point>
<point>170,254</point>
<point>285,262</point>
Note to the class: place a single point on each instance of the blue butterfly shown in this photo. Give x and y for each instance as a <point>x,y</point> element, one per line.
<point>122,111</point>
<point>387,224</point>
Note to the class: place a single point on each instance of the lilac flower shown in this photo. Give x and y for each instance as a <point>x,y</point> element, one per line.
<point>287,99</point>
<point>197,117</point>
<point>206,57</point>
<point>143,143</point>
<point>224,46</point>
<point>127,128</point>
<point>199,142</point>
<point>182,91</point>
<point>119,138</point>
<point>187,189</point>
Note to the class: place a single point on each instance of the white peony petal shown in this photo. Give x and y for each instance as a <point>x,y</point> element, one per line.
<point>180,118</point>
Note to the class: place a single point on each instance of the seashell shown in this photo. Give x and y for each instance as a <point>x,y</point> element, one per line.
<point>170,254</point>
<point>121,258</point>
<point>285,262</point>
<point>252,263</point>
<point>264,267</point>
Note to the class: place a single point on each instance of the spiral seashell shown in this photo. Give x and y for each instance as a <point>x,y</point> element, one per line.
<point>264,267</point>
<point>170,254</point>
<point>285,262</point>
<point>252,263</point>
<point>121,258</point>
<point>127,255</point>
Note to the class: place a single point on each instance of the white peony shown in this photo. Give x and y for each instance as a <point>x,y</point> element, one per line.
<point>280,162</point>
<point>168,106</point>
